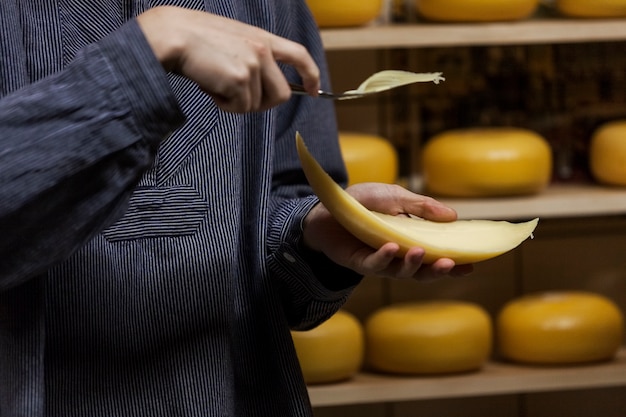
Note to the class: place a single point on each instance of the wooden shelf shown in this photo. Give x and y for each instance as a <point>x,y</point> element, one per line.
<point>424,35</point>
<point>493,379</point>
<point>558,201</point>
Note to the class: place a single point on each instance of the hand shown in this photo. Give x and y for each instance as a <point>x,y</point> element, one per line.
<point>323,233</point>
<point>233,62</point>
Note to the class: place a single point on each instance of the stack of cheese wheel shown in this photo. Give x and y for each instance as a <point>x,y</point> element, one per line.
<point>475,10</point>
<point>607,153</point>
<point>368,158</point>
<point>592,8</point>
<point>486,162</point>
<point>344,13</point>
<point>565,327</point>
<point>434,337</point>
<point>332,351</point>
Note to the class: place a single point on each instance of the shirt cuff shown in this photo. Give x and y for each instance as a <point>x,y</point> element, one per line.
<point>144,80</point>
<point>326,279</point>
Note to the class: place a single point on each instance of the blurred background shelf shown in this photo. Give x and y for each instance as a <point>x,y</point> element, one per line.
<point>557,201</point>
<point>425,35</point>
<point>561,77</point>
<point>495,379</point>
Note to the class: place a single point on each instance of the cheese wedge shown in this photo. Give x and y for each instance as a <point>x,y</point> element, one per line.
<point>464,241</point>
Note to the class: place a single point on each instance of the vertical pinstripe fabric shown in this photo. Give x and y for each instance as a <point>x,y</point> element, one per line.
<point>183,306</point>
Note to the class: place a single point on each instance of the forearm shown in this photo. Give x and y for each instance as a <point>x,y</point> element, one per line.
<point>73,146</point>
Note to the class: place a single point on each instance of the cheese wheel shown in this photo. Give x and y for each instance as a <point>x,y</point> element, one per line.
<point>565,327</point>
<point>486,162</point>
<point>607,153</point>
<point>368,158</point>
<point>592,8</point>
<point>433,337</point>
<point>344,13</point>
<point>475,10</point>
<point>332,351</point>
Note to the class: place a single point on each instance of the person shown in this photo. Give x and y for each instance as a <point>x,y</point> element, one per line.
<point>159,239</point>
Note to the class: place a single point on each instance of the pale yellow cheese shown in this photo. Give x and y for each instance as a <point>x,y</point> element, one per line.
<point>344,13</point>
<point>368,158</point>
<point>607,153</point>
<point>431,337</point>
<point>475,10</point>
<point>464,241</point>
<point>592,8</point>
<point>331,352</point>
<point>486,162</point>
<point>564,327</point>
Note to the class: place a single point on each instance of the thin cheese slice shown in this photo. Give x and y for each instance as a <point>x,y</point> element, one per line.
<point>388,79</point>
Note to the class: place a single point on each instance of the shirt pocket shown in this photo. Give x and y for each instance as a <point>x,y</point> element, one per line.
<point>160,212</point>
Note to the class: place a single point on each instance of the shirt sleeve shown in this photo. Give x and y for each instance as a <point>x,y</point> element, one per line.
<point>73,146</point>
<point>312,287</point>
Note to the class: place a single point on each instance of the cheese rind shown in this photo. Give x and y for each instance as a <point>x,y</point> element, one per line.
<point>607,153</point>
<point>475,10</point>
<point>332,351</point>
<point>368,158</point>
<point>432,337</point>
<point>561,327</point>
<point>344,13</point>
<point>594,8</point>
<point>486,162</point>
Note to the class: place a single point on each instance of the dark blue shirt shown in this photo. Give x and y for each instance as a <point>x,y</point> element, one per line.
<point>150,262</point>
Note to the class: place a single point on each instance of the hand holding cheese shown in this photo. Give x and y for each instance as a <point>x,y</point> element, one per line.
<point>376,214</point>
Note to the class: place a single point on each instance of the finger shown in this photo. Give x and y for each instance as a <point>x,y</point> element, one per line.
<point>377,262</point>
<point>439,269</point>
<point>411,263</point>
<point>275,88</point>
<point>296,55</point>
<point>235,100</point>
<point>434,210</point>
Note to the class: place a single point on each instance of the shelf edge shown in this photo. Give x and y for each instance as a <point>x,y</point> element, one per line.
<point>423,35</point>
<point>494,379</point>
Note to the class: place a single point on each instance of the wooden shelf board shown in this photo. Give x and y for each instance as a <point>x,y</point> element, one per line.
<point>493,379</point>
<point>531,31</point>
<point>558,201</point>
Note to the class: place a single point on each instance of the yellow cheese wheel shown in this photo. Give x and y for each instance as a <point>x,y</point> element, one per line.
<point>592,8</point>
<point>332,351</point>
<point>475,10</point>
<point>433,337</point>
<point>368,158</point>
<point>607,153</point>
<point>344,13</point>
<point>486,162</point>
<point>565,327</point>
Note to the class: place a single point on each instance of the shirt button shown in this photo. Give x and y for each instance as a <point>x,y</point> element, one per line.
<point>289,257</point>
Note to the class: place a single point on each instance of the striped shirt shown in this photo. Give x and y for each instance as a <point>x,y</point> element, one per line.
<point>150,262</point>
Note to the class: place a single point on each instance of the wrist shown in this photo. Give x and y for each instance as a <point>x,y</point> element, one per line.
<point>166,44</point>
